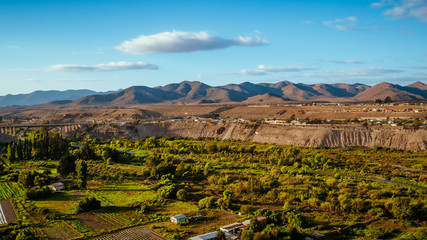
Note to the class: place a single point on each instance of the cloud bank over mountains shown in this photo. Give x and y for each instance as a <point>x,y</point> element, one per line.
<point>264,70</point>
<point>107,67</point>
<point>176,42</point>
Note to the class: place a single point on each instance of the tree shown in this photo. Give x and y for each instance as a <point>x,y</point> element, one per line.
<point>388,100</point>
<point>87,152</point>
<point>207,202</point>
<point>220,235</point>
<point>168,191</point>
<point>82,174</point>
<point>182,194</point>
<point>247,234</point>
<point>67,165</point>
<point>225,202</point>
<point>111,155</point>
<point>19,152</point>
<point>26,178</point>
<point>11,156</point>
<point>379,101</point>
<point>401,208</point>
<point>295,219</point>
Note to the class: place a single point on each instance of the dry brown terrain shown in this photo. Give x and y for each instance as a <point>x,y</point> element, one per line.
<point>236,122</point>
<point>256,112</point>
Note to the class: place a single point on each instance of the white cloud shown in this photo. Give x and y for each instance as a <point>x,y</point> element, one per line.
<point>348,23</point>
<point>405,8</point>
<point>264,70</point>
<point>352,73</point>
<point>420,13</point>
<point>175,41</point>
<point>347,61</point>
<point>108,67</point>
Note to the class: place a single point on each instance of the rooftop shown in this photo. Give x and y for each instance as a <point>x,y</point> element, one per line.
<point>56,184</point>
<point>206,236</point>
<point>232,226</point>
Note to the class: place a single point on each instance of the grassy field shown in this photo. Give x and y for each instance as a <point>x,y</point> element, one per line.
<point>124,194</point>
<point>62,202</point>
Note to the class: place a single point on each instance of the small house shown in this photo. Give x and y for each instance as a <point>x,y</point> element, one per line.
<point>234,229</point>
<point>178,219</point>
<point>56,186</point>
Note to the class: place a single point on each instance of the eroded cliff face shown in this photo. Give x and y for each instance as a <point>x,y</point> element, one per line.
<point>308,136</point>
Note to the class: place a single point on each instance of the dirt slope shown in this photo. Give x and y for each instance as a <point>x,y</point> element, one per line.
<point>309,136</point>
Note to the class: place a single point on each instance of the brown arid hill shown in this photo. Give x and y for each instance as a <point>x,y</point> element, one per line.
<point>308,136</point>
<point>418,85</point>
<point>199,93</point>
<point>267,98</point>
<point>396,92</point>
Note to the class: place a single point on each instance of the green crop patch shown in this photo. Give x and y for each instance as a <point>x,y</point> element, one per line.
<point>9,190</point>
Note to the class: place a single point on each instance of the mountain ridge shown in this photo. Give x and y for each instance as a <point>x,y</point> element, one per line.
<point>42,97</point>
<point>195,92</point>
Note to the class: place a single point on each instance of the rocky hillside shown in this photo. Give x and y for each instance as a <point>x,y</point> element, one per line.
<point>308,136</point>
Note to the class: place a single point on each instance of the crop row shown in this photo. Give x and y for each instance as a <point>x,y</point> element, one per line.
<point>8,190</point>
<point>115,219</point>
<point>136,234</point>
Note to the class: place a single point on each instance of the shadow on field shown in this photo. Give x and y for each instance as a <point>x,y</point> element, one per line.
<point>62,196</point>
<point>122,189</point>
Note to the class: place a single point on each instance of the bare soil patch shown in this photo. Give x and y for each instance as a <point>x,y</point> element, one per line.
<point>94,222</point>
<point>8,211</point>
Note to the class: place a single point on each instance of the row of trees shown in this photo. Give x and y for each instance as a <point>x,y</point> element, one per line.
<point>41,145</point>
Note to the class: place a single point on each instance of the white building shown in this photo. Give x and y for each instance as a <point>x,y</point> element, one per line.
<point>56,186</point>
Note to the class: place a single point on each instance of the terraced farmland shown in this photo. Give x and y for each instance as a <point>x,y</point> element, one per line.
<point>59,230</point>
<point>113,218</point>
<point>133,234</point>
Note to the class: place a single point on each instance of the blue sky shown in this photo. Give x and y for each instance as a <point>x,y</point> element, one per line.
<point>107,45</point>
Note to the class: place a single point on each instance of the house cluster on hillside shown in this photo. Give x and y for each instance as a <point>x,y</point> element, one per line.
<point>232,231</point>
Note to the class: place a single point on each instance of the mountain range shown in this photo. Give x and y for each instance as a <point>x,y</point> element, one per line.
<point>41,97</point>
<point>199,93</point>
<point>195,92</point>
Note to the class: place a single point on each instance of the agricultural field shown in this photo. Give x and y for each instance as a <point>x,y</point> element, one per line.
<point>7,213</point>
<point>355,193</point>
<point>140,233</point>
<point>58,230</point>
<point>9,190</point>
